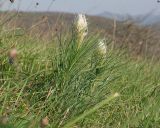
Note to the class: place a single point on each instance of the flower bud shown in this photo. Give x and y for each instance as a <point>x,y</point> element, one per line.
<point>12,55</point>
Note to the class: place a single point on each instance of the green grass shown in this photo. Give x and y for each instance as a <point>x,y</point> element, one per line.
<point>74,86</point>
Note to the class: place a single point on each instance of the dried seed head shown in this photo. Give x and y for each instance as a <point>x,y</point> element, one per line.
<point>12,1</point>
<point>37,4</point>
<point>13,53</point>
<point>44,122</point>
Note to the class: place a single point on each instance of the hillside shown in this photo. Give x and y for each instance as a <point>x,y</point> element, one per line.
<point>137,40</point>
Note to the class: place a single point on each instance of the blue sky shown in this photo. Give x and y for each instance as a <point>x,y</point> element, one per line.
<point>132,7</point>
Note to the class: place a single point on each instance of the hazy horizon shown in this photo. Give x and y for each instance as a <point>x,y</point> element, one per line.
<point>85,6</point>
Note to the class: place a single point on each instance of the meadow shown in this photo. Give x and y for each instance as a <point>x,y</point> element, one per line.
<point>75,80</point>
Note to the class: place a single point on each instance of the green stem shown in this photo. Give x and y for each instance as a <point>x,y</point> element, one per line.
<point>90,111</point>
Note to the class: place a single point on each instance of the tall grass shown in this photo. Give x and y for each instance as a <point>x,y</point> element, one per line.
<point>74,85</point>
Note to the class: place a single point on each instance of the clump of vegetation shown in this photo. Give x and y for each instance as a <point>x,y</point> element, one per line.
<point>74,81</point>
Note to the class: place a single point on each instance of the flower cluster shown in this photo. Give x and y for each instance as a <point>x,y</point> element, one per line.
<point>81,27</point>
<point>102,48</point>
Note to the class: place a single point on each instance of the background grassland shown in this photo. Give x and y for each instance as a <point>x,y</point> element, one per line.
<point>57,79</point>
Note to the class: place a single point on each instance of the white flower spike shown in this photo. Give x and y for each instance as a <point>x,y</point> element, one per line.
<point>102,47</point>
<point>81,27</point>
<point>116,94</point>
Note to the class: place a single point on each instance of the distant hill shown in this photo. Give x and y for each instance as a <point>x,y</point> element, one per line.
<point>136,39</point>
<point>147,19</point>
<point>109,15</point>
